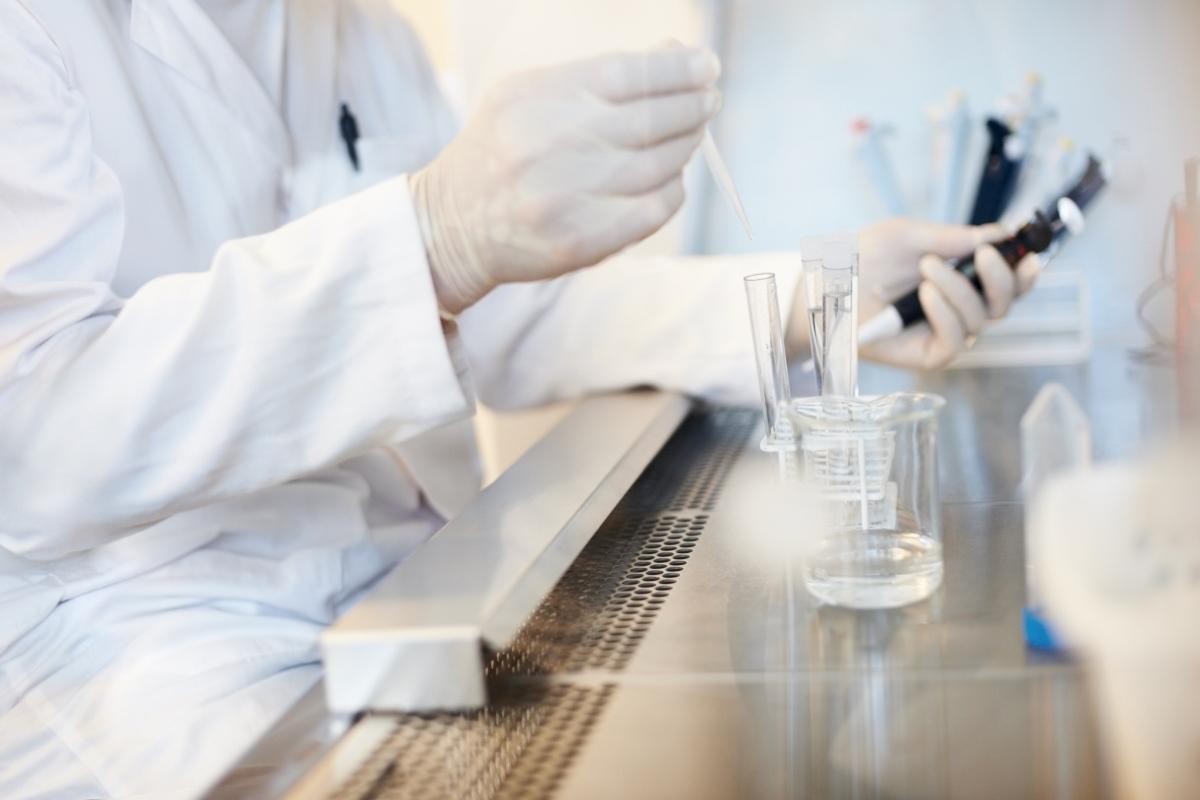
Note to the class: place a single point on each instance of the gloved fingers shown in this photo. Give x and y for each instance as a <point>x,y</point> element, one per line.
<point>957,291</point>
<point>999,282</point>
<point>641,171</point>
<point>652,210</point>
<point>593,232</point>
<point>949,241</point>
<point>1028,270</point>
<point>621,77</point>
<point>653,120</point>
<point>948,336</point>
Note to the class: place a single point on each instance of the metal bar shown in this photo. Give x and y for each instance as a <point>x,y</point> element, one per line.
<point>415,643</point>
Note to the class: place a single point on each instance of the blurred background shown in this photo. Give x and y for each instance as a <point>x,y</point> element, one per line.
<point>1119,78</point>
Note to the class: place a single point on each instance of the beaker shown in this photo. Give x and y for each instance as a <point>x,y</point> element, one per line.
<point>873,464</point>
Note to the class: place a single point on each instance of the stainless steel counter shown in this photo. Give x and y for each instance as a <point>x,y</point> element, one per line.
<point>678,657</point>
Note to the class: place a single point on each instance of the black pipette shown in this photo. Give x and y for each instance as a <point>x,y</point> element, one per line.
<point>1036,236</point>
<point>998,181</point>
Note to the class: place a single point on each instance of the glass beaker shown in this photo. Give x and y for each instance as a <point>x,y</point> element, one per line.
<point>873,464</point>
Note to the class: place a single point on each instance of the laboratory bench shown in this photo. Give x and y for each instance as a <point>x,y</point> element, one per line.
<point>606,622</point>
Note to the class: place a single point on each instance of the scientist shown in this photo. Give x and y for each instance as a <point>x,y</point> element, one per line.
<point>244,266</point>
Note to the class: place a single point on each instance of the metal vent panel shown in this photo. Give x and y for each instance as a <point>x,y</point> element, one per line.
<point>520,746</point>
<point>690,471</point>
<point>599,612</point>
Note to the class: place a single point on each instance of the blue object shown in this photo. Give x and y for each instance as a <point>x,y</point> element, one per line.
<point>1038,632</point>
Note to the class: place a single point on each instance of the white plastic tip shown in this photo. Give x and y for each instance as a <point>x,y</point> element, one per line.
<point>724,180</point>
<point>1014,148</point>
<point>884,325</point>
<point>1071,216</point>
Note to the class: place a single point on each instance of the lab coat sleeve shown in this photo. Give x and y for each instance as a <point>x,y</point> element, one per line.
<point>677,323</point>
<point>293,351</point>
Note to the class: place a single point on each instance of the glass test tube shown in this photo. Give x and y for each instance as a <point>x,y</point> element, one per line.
<point>812,266</point>
<point>766,327</point>
<point>838,323</point>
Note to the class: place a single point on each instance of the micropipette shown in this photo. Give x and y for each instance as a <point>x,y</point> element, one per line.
<point>1065,216</point>
<point>869,146</point>
<point>951,131</point>
<point>724,181</point>
<point>998,181</point>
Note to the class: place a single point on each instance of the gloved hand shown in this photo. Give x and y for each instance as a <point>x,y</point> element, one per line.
<point>892,254</point>
<point>561,167</point>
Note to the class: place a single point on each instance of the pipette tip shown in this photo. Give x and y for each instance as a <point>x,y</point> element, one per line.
<point>724,180</point>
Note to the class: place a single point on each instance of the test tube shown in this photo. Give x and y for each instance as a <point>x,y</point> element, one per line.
<point>766,328</point>
<point>839,324</point>
<point>812,266</point>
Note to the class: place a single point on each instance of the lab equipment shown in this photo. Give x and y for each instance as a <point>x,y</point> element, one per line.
<point>1055,438</point>
<point>951,132</point>
<point>873,462</point>
<point>770,357</point>
<point>1032,113</point>
<point>868,144</point>
<point>831,286</point>
<point>724,180</point>
<point>1117,559</point>
<point>1179,269</point>
<point>1042,175</point>
<point>998,181</point>
<point>1081,194</point>
<point>1187,291</point>
<point>811,266</point>
<point>1064,216</point>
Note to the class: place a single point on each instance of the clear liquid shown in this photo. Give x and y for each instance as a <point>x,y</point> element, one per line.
<point>839,361</point>
<point>874,569</point>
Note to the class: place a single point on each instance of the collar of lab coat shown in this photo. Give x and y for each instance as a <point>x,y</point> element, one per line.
<point>181,35</point>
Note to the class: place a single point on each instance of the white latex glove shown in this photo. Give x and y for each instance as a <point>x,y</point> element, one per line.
<point>895,253</point>
<point>561,167</point>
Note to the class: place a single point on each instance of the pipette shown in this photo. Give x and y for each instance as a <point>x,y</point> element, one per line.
<point>724,181</point>
<point>1064,216</point>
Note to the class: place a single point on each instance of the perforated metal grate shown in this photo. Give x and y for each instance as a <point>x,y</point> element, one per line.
<point>523,743</point>
<point>690,470</point>
<point>520,746</point>
<point>603,606</point>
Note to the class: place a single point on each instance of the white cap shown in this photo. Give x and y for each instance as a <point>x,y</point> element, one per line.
<point>1071,216</point>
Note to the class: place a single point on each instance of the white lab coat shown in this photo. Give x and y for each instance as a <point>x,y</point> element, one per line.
<point>225,389</point>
